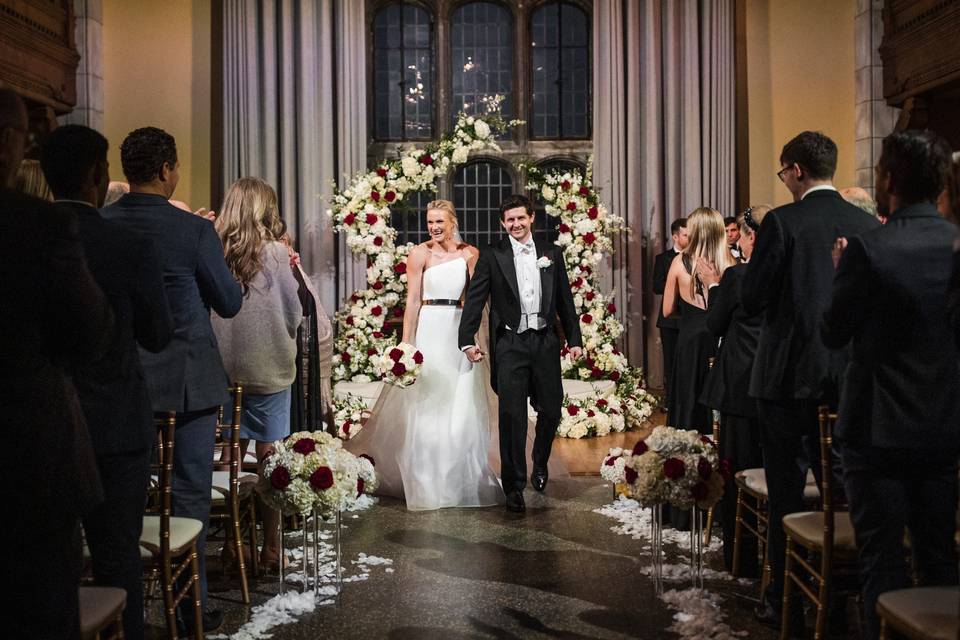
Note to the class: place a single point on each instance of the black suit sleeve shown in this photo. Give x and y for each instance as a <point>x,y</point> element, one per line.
<point>476,297</point>
<point>764,276</point>
<point>660,268</point>
<point>724,299</point>
<point>218,287</point>
<point>569,318</point>
<point>953,295</point>
<point>153,323</point>
<point>851,294</point>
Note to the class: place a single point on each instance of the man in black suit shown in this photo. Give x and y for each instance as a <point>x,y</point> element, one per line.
<point>188,375</point>
<point>112,391</point>
<point>789,279</point>
<point>526,282</point>
<point>669,327</point>
<point>898,426</point>
<point>53,318</point>
<point>732,228</point>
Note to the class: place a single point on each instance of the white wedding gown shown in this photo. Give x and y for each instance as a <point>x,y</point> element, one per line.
<point>430,440</point>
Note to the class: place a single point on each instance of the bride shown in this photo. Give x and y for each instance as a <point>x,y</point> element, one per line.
<point>430,440</point>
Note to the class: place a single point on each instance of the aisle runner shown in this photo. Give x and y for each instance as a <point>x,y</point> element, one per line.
<point>698,612</point>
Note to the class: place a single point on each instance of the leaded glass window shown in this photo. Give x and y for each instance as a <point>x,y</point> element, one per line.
<point>478,189</point>
<point>409,217</point>
<point>402,73</point>
<point>560,72</point>
<point>481,38</point>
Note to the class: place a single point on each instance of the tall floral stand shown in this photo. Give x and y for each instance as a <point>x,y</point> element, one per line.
<point>697,548</point>
<point>310,549</point>
<point>656,548</point>
<point>697,517</point>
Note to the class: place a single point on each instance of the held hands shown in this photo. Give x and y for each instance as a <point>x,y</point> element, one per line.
<point>707,272</point>
<point>474,354</point>
<point>839,246</point>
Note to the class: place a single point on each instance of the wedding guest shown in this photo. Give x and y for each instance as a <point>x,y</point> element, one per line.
<point>669,327</point>
<point>948,203</point>
<point>859,197</point>
<point>728,380</point>
<point>112,392</point>
<point>53,318</point>
<point>788,280</point>
<point>732,229</point>
<point>30,180</point>
<point>898,426</point>
<point>259,344</point>
<point>188,375</point>
<point>115,191</point>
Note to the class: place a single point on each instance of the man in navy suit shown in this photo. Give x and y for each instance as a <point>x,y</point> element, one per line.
<point>112,391</point>
<point>188,375</point>
<point>898,427</point>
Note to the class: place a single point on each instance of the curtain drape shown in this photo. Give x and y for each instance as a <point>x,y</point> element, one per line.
<point>663,140</point>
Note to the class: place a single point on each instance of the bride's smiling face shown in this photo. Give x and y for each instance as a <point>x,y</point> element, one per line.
<point>439,225</point>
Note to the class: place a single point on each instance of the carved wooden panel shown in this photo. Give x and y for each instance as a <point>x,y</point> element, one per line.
<point>921,47</point>
<point>38,57</point>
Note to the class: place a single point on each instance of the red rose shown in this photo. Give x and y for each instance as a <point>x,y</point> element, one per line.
<point>699,491</point>
<point>349,320</point>
<point>369,262</point>
<point>321,479</point>
<point>305,446</point>
<point>390,196</point>
<point>398,369</point>
<point>674,468</point>
<point>359,487</point>
<point>280,478</point>
<point>590,413</point>
<point>371,218</point>
<point>612,308</point>
<point>589,362</point>
<point>371,352</point>
<point>612,460</point>
<point>615,376</point>
<point>589,238</point>
<point>375,196</point>
<point>587,270</point>
<point>426,159</point>
<point>364,455</point>
<point>396,354</point>
<point>589,296</point>
<point>398,312</point>
<point>564,351</point>
<point>563,228</point>
<point>704,468</point>
<point>631,474</point>
<point>418,357</point>
<point>726,470</point>
<point>571,206</point>
<point>602,403</point>
<point>382,172</point>
<point>400,268</point>
<point>354,296</point>
<point>584,191</point>
<point>592,213</point>
<point>377,285</point>
<point>572,409</point>
<point>565,185</point>
<point>640,448</point>
<point>349,218</point>
<point>616,352</point>
<point>377,335</point>
<point>596,373</point>
<point>577,283</point>
<point>378,241</point>
<point>376,311</point>
<point>346,428</point>
<point>707,440</point>
<point>586,318</point>
<point>345,358</point>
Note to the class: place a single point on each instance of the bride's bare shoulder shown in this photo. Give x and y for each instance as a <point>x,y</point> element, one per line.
<point>469,250</point>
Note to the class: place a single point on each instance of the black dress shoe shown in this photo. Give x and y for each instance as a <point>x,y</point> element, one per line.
<point>515,502</point>
<point>539,479</point>
<point>212,620</point>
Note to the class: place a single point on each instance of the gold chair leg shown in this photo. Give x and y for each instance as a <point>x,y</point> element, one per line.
<point>823,600</point>
<point>709,526</point>
<point>787,588</point>
<point>737,532</point>
<point>238,542</point>
<point>197,605</point>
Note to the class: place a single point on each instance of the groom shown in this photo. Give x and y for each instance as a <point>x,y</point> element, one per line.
<point>527,285</point>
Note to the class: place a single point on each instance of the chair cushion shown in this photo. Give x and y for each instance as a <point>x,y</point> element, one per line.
<point>928,612</point>
<point>806,528</point>
<point>99,606</point>
<point>183,531</point>
<point>221,481</point>
<point>756,481</point>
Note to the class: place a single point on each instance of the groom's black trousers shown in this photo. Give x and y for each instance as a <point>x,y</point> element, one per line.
<point>526,363</point>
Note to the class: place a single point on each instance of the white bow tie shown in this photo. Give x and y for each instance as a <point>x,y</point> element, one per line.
<point>523,249</point>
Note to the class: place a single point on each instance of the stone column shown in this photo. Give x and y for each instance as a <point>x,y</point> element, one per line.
<point>88,32</point>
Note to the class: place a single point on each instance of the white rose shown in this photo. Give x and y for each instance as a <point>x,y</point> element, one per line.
<point>470,120</point>
<point>460,155</point>
<point>410,166</point>
<point>482,129</point>
<point>585,226</point>
<point>548,193</point>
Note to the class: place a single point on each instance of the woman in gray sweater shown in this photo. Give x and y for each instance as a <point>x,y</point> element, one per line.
<point>258,345</point>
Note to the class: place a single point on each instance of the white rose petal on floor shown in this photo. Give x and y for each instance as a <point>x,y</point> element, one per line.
<point>698,615</point>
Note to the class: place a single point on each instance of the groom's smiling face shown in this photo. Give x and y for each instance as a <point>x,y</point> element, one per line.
<point>517,222</point>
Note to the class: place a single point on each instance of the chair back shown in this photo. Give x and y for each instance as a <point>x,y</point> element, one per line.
<point>827,420</point>
<point>232,443</point>
<point>162,468</point>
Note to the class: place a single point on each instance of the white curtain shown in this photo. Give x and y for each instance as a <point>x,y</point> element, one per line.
<point>286,85</point>
<point>663,139</point>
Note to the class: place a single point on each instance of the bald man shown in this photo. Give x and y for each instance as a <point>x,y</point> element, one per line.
<point>859,197</point>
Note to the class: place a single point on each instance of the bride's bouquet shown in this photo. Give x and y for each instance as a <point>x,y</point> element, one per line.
<point>400,365</point>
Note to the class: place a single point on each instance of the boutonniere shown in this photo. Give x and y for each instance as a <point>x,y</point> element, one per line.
<point>544,262</point>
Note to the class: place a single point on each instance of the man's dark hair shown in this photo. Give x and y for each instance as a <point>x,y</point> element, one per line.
<point>676,225</point>
<point>729,220</point>
<point>68,155</point>
<point>514,201</point>
<point>918,163</point>
<point>814,152</point>
<point>143,153</point>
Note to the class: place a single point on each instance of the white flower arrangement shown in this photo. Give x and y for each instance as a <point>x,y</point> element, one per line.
<point>349,415</point>
<point>400,365</point>
<point>580,418</point>
<point>356,354</point>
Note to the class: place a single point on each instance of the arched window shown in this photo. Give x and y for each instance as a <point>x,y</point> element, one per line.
<point>409,217</point>
<point>478,189</point>
<point>544,225</point>
<point>481,38</point>
<point>402,73</point>
<point>560,72</point>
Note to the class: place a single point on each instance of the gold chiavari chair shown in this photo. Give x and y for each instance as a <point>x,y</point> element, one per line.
<point>101,613</point>
<point>827,534</point>
<point>168,543</point>
<point>924,613</point>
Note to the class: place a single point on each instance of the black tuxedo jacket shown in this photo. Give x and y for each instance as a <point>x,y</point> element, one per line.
<point>188,374</point>
<point>112,390</point>
<point>788,280</point>
<point>496,277</point>
<point>728,382</point>
<point>902,386</point>
<point>53,317</point>
<point>661,267</point>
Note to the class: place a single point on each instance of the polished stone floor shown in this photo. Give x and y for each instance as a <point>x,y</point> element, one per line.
<point>556,572</point>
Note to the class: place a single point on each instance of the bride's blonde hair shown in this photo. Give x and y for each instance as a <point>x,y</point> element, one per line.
<point>708,239</point>
<point>248,218</point>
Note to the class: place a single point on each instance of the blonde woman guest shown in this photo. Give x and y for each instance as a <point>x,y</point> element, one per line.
<point>258,345</point>
<point>31,182</point>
